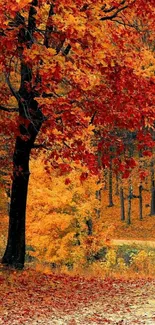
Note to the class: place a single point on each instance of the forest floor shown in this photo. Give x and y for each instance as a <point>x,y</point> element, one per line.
<point>29,298</point>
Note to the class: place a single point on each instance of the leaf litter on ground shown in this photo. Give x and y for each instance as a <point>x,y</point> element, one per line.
<point>31,297</point>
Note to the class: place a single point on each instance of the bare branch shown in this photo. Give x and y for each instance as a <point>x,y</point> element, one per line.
<point>17,21</point>
<point>114,15</point>
<point>66,145</point>
<point>41,146</point>
<point>92,118</point>
<point>112,8</point>
<point>124,23</point>
<point>2,33</point>
<point>9,110</point>
<point>67,49</point>
<point>38,145</point>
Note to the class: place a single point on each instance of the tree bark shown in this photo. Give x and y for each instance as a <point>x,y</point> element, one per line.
<point>129,205</point>
<point>89,224</point>
<point>111,204</point>
<point>15,250</point>
<point>122,204</point>
<point>140,203</point>
<point>98,197</point>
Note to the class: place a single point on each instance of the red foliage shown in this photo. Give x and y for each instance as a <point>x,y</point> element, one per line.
<point>108,92</point>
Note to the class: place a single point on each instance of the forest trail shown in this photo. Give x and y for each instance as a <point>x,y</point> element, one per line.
<point>144,243</point>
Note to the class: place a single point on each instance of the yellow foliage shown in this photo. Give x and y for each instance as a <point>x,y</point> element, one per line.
<point>143,263</point>
<point>57,215</point>
<point>111,258</point>
<point>121,266</point>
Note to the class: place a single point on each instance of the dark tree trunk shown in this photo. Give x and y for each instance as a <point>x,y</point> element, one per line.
<point>98,197</point>
<point>140,203</point>
<point>15,251</point>
<point>129,206</point>
<point>110,186</point>
<point>77,234</point>
<point>152,171</point>
<point>122,204</point>
<point>89,224</point>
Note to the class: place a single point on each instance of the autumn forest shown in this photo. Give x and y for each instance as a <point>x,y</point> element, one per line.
<point>77,162</point>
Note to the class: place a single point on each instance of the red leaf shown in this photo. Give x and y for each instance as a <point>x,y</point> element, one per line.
<point>83,176</point>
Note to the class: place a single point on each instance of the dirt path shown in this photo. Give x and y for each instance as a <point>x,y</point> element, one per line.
<point>145,243</point>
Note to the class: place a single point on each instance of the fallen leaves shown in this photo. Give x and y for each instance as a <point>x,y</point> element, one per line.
<point>31,297</point>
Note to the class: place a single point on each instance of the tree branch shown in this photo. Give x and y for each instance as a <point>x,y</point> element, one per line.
<point>114,15</point>
<point>112,8</point>
<point>124,23</point>
<point>40,146</point>
<point>92,118</point>
<point>67,49</point>
<point>7,109</point>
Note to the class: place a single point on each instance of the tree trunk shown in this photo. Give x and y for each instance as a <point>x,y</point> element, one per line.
<point>98,197</point>
<point>110,186</point>
<point>129,206</point>
<point>89,224</point>
<point>15,250</point>
<point>14,255</point>
<point>140,203</point>
<point>122,204</point>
